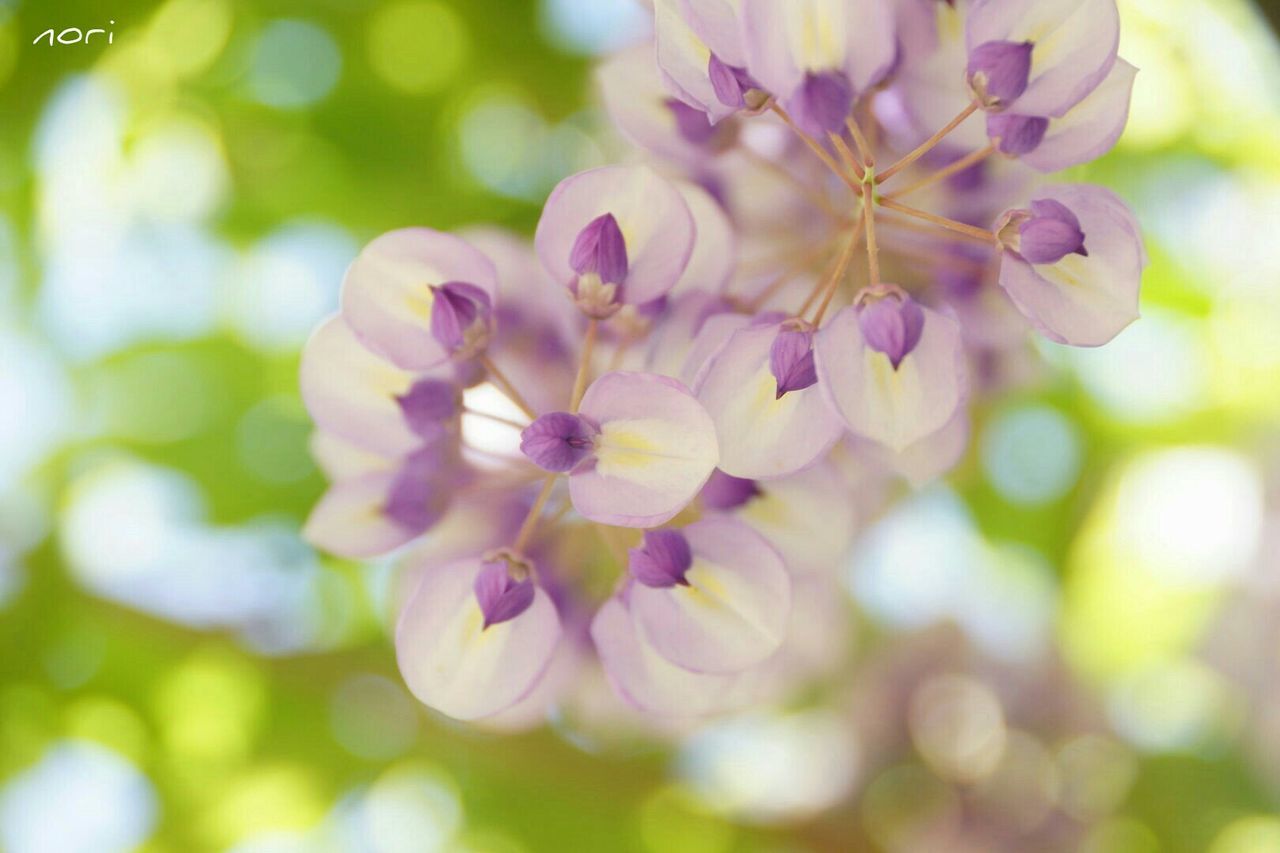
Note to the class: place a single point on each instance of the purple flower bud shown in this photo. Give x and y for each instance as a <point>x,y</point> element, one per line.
<point>892,326</point>
<point>460,316</point>
<point>693,125</point>
<point>601,249</point>
<point>428,405</point>
<point>1017,135</point>
<point>416,499</point>
<point>823,102</point>
<point>730,83</point>
<point>500,596</point>
<point>1050,234</point>
<point>725,492</point>
<point>663,560</point>
<point>791,361</point>
<point>558,442</point>
<point>999,71</point>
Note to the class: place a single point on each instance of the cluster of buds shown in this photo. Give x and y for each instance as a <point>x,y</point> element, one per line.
<point>701,386</point>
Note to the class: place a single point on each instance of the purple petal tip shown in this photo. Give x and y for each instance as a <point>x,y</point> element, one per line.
<point>999,71</point>
<point>558,442</point>
<point>662,560</point>
<point>500,596</point>
<point>791,361</point>
<point>892,326</point>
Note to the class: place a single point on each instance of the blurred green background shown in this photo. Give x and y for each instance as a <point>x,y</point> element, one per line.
<point>178,672</point>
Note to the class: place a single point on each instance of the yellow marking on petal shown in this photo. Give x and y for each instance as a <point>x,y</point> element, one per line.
<point>704,589</point>
<point>419,300</point>
<point>883,376</point>
<point>769,510</point>
<point>817,33</point>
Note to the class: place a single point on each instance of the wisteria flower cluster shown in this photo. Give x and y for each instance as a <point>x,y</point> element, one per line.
<point>643,445</point>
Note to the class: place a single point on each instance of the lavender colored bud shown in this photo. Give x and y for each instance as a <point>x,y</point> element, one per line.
<point>662,560</point>
<point>725,492</point>
<point>1050,234</point>
<point>999,71</point>
<point>601,249</point>
<point>692,124</point>
<point>460,317</point>
<point>824,101</point>
<point>791,361</point>
<point>428,405</point>
<point>892,326</point>
<point>1017,135</point>
<point>558,442</point>
<point>730,83</point>
<point>415,500</point>
<point>500,596</point>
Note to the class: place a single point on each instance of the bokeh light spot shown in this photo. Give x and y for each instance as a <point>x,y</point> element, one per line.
<point>79,798</point>
<point>296,63</point>
<point>418,46</point>
<point>1031,455</point>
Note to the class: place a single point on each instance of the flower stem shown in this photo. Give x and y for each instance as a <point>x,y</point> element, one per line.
<point>942,174</point>
<point>929,144</point>
<point>530,522</point>
<point>873,248</point>
<point>842,266</point>
<point>813,146</point>
<point>850,161</point>
<point>941,221</point>
<point>859,139</point>
<point>492,417</point>
<point>584,366</point>
<point>500,379</point>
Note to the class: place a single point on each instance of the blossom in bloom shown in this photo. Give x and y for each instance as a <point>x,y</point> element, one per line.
<point>619,235</point>
<point>419,297</point>
<point>816,56</point>
<point>638,451</point>
<point>711,597</point>
<point>1087,130</point>
<point>1072,263</point>
<point>732,380</point>
<point>893,369</point>
<point>475,636</point>
<point>643,677</point>
<point>762,392</point>
<point>702,54</point>
<point>1039,57</point>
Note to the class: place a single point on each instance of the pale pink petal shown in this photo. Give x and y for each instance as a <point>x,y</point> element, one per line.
<point>732,615</point>
<point>386,295</point>
<point>715,254</point>
<point>932,456</point>
<point>1091,128</point>
<point>894,407</point>
<point>645,678</point>
<point>1075,46</point>
<point>637,101</point>
<point>656,448</point>
<point>719,24</point>
<point>761,436</point>
<point>349,520</point>
<point>352,393</point>
<point>653,217</point>
<point>1083,301</point>
<point>809,517</point>
<point>453,664</point>
<point>787,40</point>
<point>340,459</point>
<point>684,57</point>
